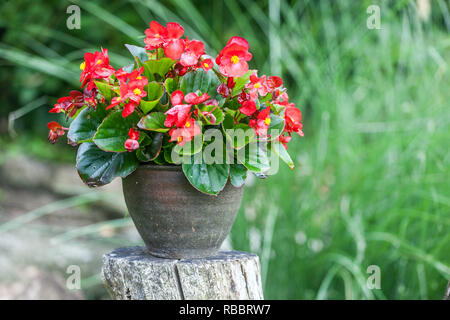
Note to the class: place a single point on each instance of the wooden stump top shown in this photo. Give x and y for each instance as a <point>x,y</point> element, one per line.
<point>132,274</point>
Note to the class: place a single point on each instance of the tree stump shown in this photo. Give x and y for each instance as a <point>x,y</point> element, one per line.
<point>133,274</point>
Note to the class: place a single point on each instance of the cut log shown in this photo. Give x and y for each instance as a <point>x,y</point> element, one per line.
<point>132,274</point>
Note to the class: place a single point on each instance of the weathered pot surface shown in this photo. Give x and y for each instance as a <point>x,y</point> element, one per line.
<point>174,219</point>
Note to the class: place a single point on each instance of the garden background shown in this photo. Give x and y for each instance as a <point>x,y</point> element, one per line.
<point>371,183</point>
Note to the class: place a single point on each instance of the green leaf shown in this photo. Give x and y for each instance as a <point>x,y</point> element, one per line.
<point>113,132</point>
<point>167,156</point>
<point>207,178</point>
<point>278,148</point>
<point>254,157</point>
<point>238,135</point>
<point>154,122</point>
<point>156,70</point>
<point>85,125</point>
<point>105,90</point>
<point>216,112</point>
<point>137,52</point>
<point>241,82</point>
<point>202,81</point>
<point>171,85</point>
<point>97,168</point>
<point>151,151</point>
<point>154,93</point>
<point>276,126</point>
<point>238,174</point>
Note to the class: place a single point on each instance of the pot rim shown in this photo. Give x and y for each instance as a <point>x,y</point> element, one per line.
<point>147,166</point>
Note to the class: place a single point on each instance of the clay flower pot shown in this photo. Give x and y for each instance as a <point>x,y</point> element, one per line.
<point>173,218</point>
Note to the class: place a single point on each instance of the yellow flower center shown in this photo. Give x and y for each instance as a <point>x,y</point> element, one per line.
<point>180,138</point>
<point>235,59</point>
<point>99,61</point>
<point>119,98</point>
<point>257,85</point>
<point>206,65</point>
<point>139,78</point>
<point>137,92</point>
<point>157,35</point>
<point>82,65</point>
<point>267,121</point>
<point>188,124</point>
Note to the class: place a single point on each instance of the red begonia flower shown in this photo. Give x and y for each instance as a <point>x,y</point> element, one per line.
<point>193,98</point>
<point>69,104</point>
<point>248,107</point>
<point>223,90</point>
<point>243,96</point>
<point>155,36</point>
<point>177,97</point>
<point>232,60</point>
<point>174,48</point>
<point>56,131</point>
<point>95,66</point>
<point>274,82</point>
<point>261,123</point>
<point>121,75</point>
<point>293,117</point>
<point>132,143</point>
<point>206,64</point>
<point>284,140</point>
<point>128,109</point>
<point>136,79</point>
<point>256,86</point>
<point>194,50</point>
<point>177,116</point>
<point>186,133</point>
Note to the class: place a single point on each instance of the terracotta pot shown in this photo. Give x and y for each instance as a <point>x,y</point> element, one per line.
<point>174,219</point>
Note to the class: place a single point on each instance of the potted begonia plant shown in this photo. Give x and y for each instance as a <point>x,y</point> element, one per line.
<point>183,130</point>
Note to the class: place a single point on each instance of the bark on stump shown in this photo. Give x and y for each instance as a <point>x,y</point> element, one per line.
<point>132,274</point>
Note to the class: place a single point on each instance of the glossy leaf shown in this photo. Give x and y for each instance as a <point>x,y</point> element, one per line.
<point>202,81</point>
<point>238,135</point>
<point>171,85</point>
<point>113,132</point>
<point>241,82</point>
<point>85,125</point>
<point>217,115</point>
<point>154,122</point>
<point>254,157</point>
<point>238,174</point>
<point>105,90</point>
<point>97,167</point>
<point>278,148</point>
<point>154,93</point>
<point>152,150</point>
<point>138,52</point>
<point>276,126</point>
<point>156,70</point>
<point>207,178</point>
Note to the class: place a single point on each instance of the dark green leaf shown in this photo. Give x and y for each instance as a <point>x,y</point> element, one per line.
<point>276,126</point>
<point>85,125</point>
<point>217,115</point>
<point>202,81</point>
<point>113,132</point>
<point>171,85</point>
<point>154,122</point>
<point>238,174</point>
<point>207,178</point>
<point>97,167</point>
<point>151,151</point>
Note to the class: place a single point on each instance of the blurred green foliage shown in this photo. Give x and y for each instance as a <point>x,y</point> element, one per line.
<point>371,183</point>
